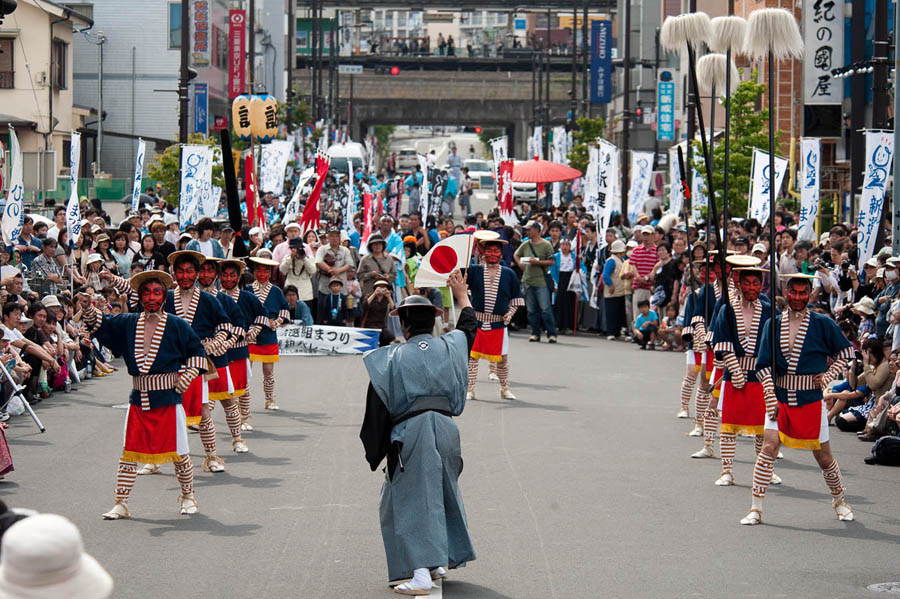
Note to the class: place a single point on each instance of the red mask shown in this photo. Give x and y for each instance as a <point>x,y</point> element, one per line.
<point>263,274</point>
<point>153,295</point>
<point>492,254</point>
<point>186,275</point>
<point>798,295</point>
<point>229,278</point>
<point>750,285</point>
<point>207,274</point>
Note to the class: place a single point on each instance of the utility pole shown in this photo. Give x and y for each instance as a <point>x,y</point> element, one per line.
<point>691,127</point>
<point>101,39</point>
<point>857,101</point>
<point>584,59</point>
<point>320,54</point>
<point>574,58</point>
<point>314,94</point>
<point>183,75</point>
<point>626,107</point>
<point>251,43</point>
<point>292,56</point>
<point>880,72</point>
<point>332,67</point>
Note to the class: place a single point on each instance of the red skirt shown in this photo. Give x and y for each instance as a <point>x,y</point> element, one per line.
<point>802,427</point>
<point>743,410</point>
<point>194,398</point>
<point>220,388</point>
<point>239,379</point>
<point>489,345</point>
<point>155,436</point>
<point>263,353</point>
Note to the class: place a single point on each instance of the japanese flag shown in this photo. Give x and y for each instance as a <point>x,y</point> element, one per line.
<point>442,259</point>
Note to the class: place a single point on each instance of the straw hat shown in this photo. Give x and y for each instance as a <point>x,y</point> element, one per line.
<point>263,261</point>
<point>798,275</point>
<point>137,280</point>
<point>196,255</point>
<point>43,558</point>
<point>742,261</point>
<point>238,264</point>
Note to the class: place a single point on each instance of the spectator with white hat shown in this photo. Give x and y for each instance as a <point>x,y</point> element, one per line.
<point>43,557</point>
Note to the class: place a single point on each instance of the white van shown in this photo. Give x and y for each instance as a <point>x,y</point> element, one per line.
<point>342,154</point>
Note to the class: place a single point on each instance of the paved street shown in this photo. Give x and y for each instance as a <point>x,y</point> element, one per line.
<point>580,488</point>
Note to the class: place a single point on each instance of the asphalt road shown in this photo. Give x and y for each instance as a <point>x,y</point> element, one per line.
<point>580,488</point>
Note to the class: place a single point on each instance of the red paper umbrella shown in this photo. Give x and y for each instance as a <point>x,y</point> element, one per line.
<point>543,171</point>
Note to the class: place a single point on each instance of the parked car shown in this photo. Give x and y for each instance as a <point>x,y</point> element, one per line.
<point>406,159</point>
<point>481,172</point>
<point>524,191</point>
<point>343,154</point>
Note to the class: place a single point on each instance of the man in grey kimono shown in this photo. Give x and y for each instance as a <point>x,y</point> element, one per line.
<point>415,390</point>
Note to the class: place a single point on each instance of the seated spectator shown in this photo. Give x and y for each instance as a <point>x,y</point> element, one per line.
<point>670,329</point>
<point>859,397</point>
<point>645,325</point>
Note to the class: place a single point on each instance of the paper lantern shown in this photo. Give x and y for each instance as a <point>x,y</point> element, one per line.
<point>264,117</point>
<point>240,117</point>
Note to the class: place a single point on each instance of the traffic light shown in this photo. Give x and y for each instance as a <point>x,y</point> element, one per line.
<point>639,111</point>
<point>395,70</point>
<point>477,129</point>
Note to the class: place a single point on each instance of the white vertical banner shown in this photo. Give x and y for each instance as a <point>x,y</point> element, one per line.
<point>810,161</point>
<point>591,177</point>
<point>676,192</point>
<point>537,143</point>
<point>196,180</point>
<point>138,175</point>
<point>14,212</point>
<point>292,210</point>
<point>350,206</point>
<point>759,184</point>
<point>879,155</point>
<point>423,190</point>
<point>823,37</point>
<point>641,165</point>
<point>614,199</point>
<point>604,180</point>
<point>73,211</point>
<point>699,197</point>
<point>274,158</point>
<point>499,149</point>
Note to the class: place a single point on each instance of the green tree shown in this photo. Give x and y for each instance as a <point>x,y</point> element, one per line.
<point>383,135</point>
<point>486,136</point>
<point>587,132</point>
<point>165,168</point>
<point>749,130</point>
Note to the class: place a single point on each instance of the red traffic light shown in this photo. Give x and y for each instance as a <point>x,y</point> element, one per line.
<point>477,129</point>
<point>395,70</point>
<point>639,111</point>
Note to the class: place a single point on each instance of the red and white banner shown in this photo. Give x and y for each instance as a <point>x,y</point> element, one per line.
<point>309,221</point>
<point>367,217</point>
<point>236,33</point>
<point>505,188</point>
<point>250,190</point>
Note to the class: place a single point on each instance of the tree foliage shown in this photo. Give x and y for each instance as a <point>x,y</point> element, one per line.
<point>486,136</point>
<point>749,130</point>
<point>383,135</point>
<point>587,132</point>
<point>297,108</point>
<point>166,167</point>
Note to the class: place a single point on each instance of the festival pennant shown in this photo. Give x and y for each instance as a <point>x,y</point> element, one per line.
<point>810,157</point>
<point>73,210</point>
<point>879,155</point>
<point>138,175</point>
<point>196,181</point>
<point>504,179</point>
<point>759,184</point>
<point>309,221</point>
<point>641,165</point>
<point>14,212</point>
<point>249,190</point>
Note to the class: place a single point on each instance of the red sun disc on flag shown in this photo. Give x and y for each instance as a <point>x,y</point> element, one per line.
<point>443,259</point>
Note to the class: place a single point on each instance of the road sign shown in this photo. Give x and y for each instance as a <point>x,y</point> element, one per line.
<point>201,100</point>
<point>350,69</point>
<point>665,103</point>
<point>601,63</point>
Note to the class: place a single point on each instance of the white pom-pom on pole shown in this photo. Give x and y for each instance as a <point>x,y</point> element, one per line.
<point>690,28</point>
<point>728,33</point>
<point>711,73</point>
<point>775,30</point>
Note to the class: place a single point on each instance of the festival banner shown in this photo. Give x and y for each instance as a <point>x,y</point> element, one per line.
<point>499,152</point>
<point>536,143</point>
<point>607,169</point>
<point>810,159</point>
<point>591,177</point>
<point>823,37</point>
<point>641,165</point>
<point>13,212</point>
<point>73,210</point>
<point>759,184</point>
<point>504,182</point>
<point>879,154</point>
<point>196,180</point>
<point>439,180</point>
<point>322,340</point>
<point>367,217</point>
<point>350,205</point>
<point>699,198</point>
<point>273,161</point>
<point>249,190</point>
<point>309,221</point>
<point>138,175</point>
<point>676,192</point>
<point>293,206</point>
<point>423,191</point>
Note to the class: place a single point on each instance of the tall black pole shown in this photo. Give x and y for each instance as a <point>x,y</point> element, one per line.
<point>546,129</point>
<point>533,89</point>
<point>183,75</point>
<point>584,60</point>
<point>574,58</point>
<point>726,174</point>
<point>857,101</point>
<point>626,107</point>
<point>291,57</point>
<point>332,68</point>
<point>251,44</point>
<point>314,93</point>
<point>320,54</point>
<point>772,313</point>
<point>691,124</point>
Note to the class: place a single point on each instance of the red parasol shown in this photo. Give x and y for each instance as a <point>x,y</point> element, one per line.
<point>543,171</point>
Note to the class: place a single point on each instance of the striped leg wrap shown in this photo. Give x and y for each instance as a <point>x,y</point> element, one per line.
<point>758,443</point>
<point>727,448</point>
<point>832,476</point>
<point>125,480</point>
<point>208,435</point>
<point>244,401</point>
<point>269,386</point>
<point>184,472</point>
<point>233,418</point>
<point>710,423</point>
<point>687,389</point>
<point>701,401</point>
<point>473,372</point>
<point>503,372</point>
<point>762,474</point>
<point>492,367</point>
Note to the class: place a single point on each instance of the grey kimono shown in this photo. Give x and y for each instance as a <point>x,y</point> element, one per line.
<point>415,390</point>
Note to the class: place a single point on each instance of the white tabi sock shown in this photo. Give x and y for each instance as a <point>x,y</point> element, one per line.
<point>421,580</point>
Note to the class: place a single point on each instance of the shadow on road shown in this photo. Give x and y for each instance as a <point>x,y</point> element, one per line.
<point>7,487</point>
<point>470,590</point>
<point>852,530</point>
<point>225,478</point>
<point>198,523</point>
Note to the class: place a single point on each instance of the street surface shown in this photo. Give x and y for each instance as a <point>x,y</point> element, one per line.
<point>580,488</point>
